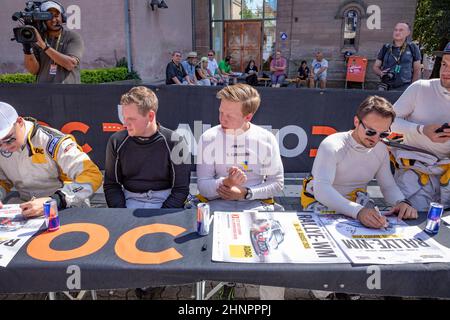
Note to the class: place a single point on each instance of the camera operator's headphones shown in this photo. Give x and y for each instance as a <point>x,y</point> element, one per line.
<point>50,4</point>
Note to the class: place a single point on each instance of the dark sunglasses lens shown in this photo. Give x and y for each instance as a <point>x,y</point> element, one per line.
<point>384,135</point>
<point>370,133</point>
<point>10,141</point>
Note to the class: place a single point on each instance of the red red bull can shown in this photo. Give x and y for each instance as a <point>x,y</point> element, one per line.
<point>434,218</point>
<point>51,215</point>
<point>203,217</point>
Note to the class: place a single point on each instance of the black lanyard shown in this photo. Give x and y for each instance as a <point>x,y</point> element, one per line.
<point>402,51</point>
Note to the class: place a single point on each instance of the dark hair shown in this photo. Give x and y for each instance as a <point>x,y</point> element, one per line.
<point>227,59</point>
<point>303,61</point>
<point>378,105</point>
<point>251,60</point>
<point>211,50</point>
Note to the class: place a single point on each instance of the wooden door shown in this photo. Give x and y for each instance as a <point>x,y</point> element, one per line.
<point>242,41</point>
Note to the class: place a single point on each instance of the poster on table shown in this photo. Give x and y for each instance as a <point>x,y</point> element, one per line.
<point>15,232</point>
<point>446,221</point>
<point>273,237</point>
<point>398,243</point>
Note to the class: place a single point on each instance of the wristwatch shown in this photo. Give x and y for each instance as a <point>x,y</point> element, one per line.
<point>249,194</point>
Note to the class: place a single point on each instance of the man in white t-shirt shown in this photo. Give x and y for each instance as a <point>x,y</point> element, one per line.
<point>421,112</point>
<point>347,161</point>
<point>213,66</point>
<point>239,165</point>
<point>319,67</point>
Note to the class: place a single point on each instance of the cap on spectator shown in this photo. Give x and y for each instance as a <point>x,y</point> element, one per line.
<point>8,116</point>
<point>192,54</point>
<point>204,59</point>
<point>51,4</point>
<point>445,51</point>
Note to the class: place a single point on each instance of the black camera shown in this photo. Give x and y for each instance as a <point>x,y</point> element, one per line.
<point>387,80</point>
<point>30,16</point>
<point>442,128</point>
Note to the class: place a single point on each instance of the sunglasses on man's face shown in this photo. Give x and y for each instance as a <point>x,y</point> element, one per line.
<point>372,133</point>
<point>8,141</point>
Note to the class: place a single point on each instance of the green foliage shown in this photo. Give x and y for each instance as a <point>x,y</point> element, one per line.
<point>88,76</point>
<point>17,78</point>
<point>95,76</point>
<point>432,24</point>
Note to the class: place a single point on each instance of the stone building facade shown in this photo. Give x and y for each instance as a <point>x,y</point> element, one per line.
<point>305,26</point>
<point>246,29</point>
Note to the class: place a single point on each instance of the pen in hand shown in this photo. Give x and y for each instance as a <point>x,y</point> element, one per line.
<point>379,213</point>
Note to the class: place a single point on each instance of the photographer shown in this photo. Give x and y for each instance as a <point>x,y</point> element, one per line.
<point>398,63</point>
<point>55,56</point>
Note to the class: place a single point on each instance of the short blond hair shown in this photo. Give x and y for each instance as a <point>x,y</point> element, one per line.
<point>144,98</point>
<point>243,93</point>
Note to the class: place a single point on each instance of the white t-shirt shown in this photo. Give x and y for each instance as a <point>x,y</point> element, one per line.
<point>424,102</point>
<point>343,165</point>
<point>255,151</point>
<point>213,66</point>
<point>316,65</point>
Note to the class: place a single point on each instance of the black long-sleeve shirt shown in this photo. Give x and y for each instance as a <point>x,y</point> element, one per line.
<point>143,164</point>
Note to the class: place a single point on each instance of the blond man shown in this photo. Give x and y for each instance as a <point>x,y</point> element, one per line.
<point>239,165</point>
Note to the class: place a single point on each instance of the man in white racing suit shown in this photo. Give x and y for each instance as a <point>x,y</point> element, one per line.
<point>423,113</point>
<point>42,163</point>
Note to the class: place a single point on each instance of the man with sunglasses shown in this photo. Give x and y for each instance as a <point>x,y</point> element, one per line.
<point>347,161</point>
<point>42,163</point>
<point>175,72</point>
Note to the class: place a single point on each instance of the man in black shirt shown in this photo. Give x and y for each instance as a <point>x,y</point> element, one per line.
<point>147,165</point>
<point>175,73</point>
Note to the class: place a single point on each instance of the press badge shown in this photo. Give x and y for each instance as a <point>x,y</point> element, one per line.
<point>53,69</point>
<point>397,69</point>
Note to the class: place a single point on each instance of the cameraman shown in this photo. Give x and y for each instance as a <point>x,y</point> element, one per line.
<point>56,55</point>
<point>398,63</point>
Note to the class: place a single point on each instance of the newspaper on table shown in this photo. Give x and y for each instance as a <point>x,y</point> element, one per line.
<point>399,243</point>
<point>15,231</point>
<point>446,221</point>
<point>273,237</point>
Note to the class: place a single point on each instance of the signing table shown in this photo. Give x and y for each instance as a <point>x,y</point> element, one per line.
<point>124,248</point>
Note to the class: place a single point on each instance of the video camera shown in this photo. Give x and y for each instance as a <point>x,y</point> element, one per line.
<point>30,16</point>
<point>387,80</point>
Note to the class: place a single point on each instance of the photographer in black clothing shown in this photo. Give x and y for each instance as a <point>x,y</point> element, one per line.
<point>398,63</point>
<point>147,165</point>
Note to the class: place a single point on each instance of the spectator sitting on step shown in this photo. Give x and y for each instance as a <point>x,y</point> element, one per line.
<point>251,72</point>
<point>175,73</point>
<point>278,68</point>
<point>225,70</point>
<point>319,70</point>
<point>203,75</point>
<point>213,67</point>
<point>189,65</point>
<point>304,75</point>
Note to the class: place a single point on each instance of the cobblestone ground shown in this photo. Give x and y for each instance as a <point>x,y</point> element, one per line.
<point>184,292</point>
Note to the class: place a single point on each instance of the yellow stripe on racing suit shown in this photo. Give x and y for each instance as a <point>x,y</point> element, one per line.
<point>51,164</point>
